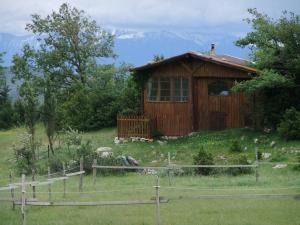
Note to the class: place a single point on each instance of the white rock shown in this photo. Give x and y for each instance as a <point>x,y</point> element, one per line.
<point>265,155</point>
<point>104,151</point>
<point>154,161</point>
<point>272,144</point>
<point>279,166</point>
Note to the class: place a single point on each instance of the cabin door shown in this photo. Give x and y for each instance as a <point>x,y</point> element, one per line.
<point>210,110</point>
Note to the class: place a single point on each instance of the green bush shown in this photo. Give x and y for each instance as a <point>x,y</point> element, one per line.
<point>239,160</point>
<point>156,134</point>
<point>235,146</point>
<point>297,166</point>
<point>203,158</point>
<point>289,127</point>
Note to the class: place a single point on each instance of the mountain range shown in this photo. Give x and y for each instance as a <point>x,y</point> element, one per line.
<point>139,47</point>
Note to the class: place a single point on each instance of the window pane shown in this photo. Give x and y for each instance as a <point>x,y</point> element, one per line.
<point>185,89</point>
<point>152,89</point>
<point>180,89</point>
<point>165,89</point>
<point>177,89</point>
<point>219,88</point>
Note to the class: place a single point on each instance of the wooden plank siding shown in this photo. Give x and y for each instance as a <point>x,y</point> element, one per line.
<point>233,106</point>
<point>181,118</point>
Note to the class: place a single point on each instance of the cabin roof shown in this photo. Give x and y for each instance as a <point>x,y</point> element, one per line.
<point>225,60</point>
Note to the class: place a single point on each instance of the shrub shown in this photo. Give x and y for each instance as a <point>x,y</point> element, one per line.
<point>297,166</point>
<point>156,134</point>
<point>289,127</point>
<point>239,160</point>
<point>55,164</point>
<point>235,146</point>
<point>24,153</point>
<point>203,158</point>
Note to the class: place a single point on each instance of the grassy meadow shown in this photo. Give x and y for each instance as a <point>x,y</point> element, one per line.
<point>193,200</point>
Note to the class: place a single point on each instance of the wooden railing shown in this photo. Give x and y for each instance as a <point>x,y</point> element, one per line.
<point>134,126</point>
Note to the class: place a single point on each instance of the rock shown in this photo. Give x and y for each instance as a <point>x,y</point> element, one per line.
<point>161,142</point>
<point>104,151</point>
<point>267,130</point>
<point>279,166</point>
<point>265,155</point>
<point>154,161</point>
<point>132,161</point>
<point>272,144</point>
<point>117,141</point>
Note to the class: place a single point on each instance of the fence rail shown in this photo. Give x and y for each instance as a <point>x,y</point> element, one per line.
<point>134,126</point>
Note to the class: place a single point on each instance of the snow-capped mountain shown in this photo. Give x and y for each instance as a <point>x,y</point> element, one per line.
<point>139,47</point>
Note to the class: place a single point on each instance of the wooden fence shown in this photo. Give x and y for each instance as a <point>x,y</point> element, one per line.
<point>134,126</point>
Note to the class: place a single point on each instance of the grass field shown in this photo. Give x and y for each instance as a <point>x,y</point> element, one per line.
<point>195,200</point>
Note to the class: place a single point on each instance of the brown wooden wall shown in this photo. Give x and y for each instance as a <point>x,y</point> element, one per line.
<point>181,118</point>
<point>211,111</point>
<point>172,118</point>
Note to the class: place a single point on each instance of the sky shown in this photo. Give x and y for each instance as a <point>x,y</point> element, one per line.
<point>148,14</point>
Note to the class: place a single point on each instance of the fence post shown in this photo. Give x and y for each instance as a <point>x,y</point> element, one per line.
<point>94,172</point>
<point>49,185</point>
<point>169,168</point>
<point>33,186</point>
<point>12,191</point>
<point>256,168</point>
<point>81,175</point>
<point>23,200</point>
<point>64,181</point>
<point>157,200</point>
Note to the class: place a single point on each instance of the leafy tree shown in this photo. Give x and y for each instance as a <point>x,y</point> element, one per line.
<point>157,58</point>
<point>6,111</point>
<point>25,70</point>
<point>74,40</point>
<point>276,53</point>
<point>70,43</point>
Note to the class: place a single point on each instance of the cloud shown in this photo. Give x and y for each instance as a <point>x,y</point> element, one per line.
<point>156,14</point>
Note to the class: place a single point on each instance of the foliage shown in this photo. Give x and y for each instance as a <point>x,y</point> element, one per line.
<point>203,158</point>
<point>235,146</point>
<point>25,161</point>
<point>157,58</point>
<point>297,166</point>
<point>6,109</point>
<point>276,54</point>
<point>24,70</point>
<point>239,160</point>
<point>96,105</point>
<point>156,134</point>
<point>266,79</point>
<point>72,41</point>
<point>289,127</point>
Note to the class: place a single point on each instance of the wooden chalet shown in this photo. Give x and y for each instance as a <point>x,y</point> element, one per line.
<point>191,92</point>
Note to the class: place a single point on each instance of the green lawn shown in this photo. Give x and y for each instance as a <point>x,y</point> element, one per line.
<point>195,200</point>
